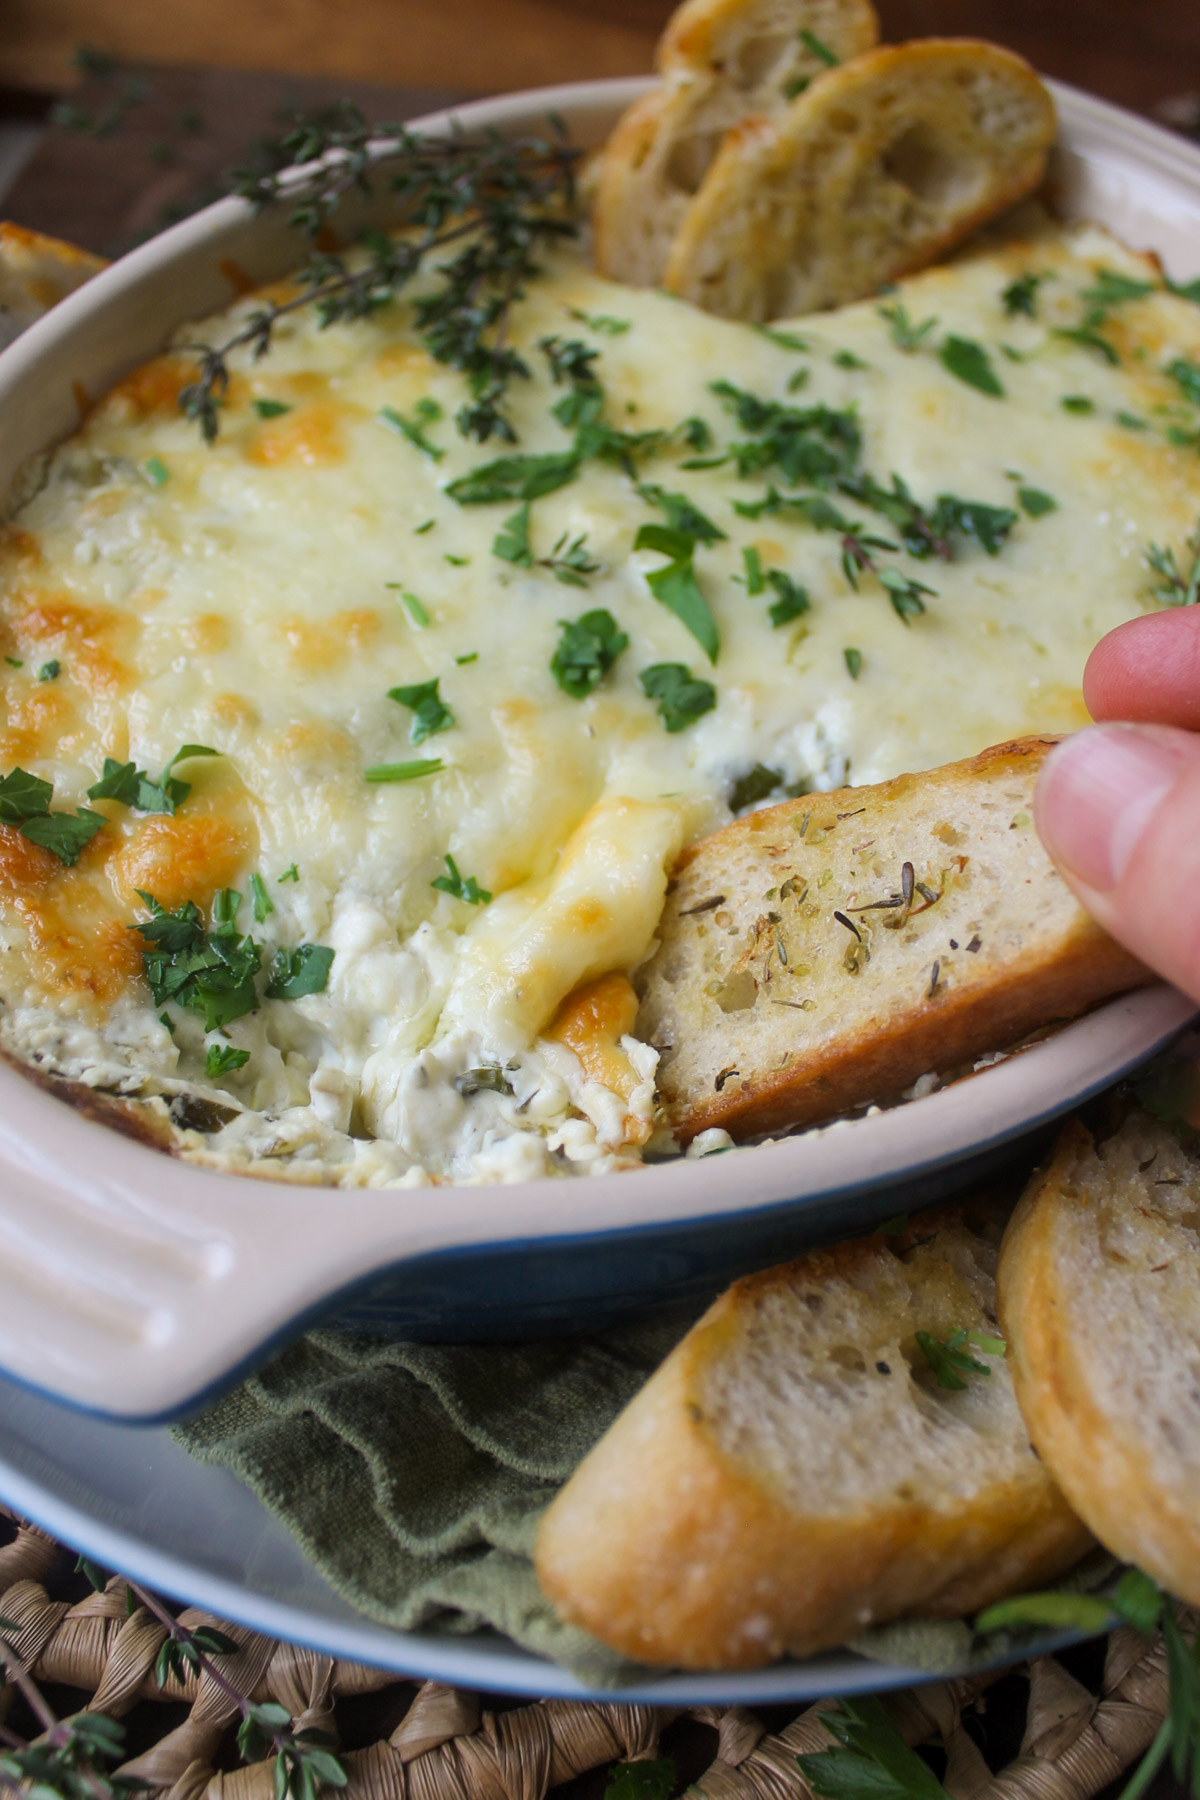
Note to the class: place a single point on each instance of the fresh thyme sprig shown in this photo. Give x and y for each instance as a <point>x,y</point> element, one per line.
<point>1175,587</point>
<point>498,201</point>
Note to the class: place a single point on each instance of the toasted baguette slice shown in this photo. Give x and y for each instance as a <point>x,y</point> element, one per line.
<point>956,936</point>
<point>875,171</point>
<point>720,60</point>
<point>37,272</point>
<point>1099,1287</point>
<point>793,1472</point>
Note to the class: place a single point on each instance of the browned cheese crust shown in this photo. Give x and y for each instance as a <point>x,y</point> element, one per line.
<point>825,953</point>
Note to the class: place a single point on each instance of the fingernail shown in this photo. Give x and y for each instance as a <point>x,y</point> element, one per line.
<point>1097,794</point>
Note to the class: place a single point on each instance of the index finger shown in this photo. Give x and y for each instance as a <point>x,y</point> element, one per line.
<point>1148,669</point>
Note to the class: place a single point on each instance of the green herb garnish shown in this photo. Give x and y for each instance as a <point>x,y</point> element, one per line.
<point>222,1059</point>
<point>271,409</point>
<point>1036,502</point>
<point>810,443</point>
<point>1020,296</point>
<point>515,478</point>
<point>682,514</point>
<point>291,873</point>
<point>405,771</point>
<point>460,887</point>
<point>300,971</point>
<point>950,1361</point>
<point>1186,376</point>
<point>1176,586</point>
<point>264,906</point>
<point>675,586</point>
<point>681,698</point>
<point>904,332</point>
<point>131,786</point>
<point>1110,288</point>
<point>970,362</point>
<point>25,803</point>
<point>1077,403</point>
<point>846,359</point>
<point>429,710</point>
<point>586,651</point>
<point>211,973</point>
<point>752,563</point>
<point>1088,338</point>
<point>754,786</point>
<point>511,542</point>
<point>601,322</point>
<point>786,340</point>
<point>854,661</point>
<point>50,671</point>
<point>571,563</point>
<point>415,608</point>
<point>792,601</point>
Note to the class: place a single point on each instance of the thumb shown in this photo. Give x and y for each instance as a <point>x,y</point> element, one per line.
<point>1118,809</point>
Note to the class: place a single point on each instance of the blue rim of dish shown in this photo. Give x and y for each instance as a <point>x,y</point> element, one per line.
<point>493,1666</point>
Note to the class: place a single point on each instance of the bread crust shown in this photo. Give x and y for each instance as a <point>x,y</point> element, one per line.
<point>36,272</point>
<point>721,60</point>
<point>675,1548</point>
<point>876,171</point>
<point>831,1044</point>
<point>1067,1263</point>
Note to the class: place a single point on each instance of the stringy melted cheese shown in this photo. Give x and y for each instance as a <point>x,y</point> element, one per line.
<point>247,596</point>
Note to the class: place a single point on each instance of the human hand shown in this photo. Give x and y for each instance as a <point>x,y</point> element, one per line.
<point>1118,804</point>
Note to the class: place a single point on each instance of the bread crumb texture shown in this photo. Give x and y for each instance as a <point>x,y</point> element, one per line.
<point>794,1473</point>
<point>1100,1298</point>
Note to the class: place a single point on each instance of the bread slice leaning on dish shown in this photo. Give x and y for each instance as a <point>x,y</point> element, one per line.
<point>875,171</point>
<point>720,61</point>
<point>794,1473</point>
<point>36,272</point>
<point>1099,1292</point>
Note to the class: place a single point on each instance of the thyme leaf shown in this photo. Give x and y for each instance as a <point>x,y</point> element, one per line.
<point>970,362</point>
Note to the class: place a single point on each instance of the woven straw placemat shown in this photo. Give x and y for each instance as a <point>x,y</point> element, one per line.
<point>428,1742</point>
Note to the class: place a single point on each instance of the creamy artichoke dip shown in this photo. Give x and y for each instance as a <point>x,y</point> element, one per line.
<point>448,712</point>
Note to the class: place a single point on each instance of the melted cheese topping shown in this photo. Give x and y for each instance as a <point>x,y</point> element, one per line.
<point>261,596</point>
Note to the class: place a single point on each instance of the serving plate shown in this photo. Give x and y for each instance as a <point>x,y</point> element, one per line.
<point>136,1286</point>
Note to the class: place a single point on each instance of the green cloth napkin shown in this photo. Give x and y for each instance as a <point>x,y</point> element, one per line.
<point>413,1475</point>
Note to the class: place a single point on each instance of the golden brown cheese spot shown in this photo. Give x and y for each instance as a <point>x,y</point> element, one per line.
<point>312,436</point>
<point>235,711</point>
<point>80,634</point>
<point>591,1022</point>
<point>150,390</point>
<point>77,949</point>
<point>315,645</point>
<point>24,866</point>
<point>207,632</point>
<point>36,722</point>
<point>587,916</point>
<point>404,359</point>
<point>180,858</point>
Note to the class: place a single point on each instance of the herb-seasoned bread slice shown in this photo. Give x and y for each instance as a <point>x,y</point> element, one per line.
<point>1099,1287</point>
<point>875,171</point>
<point>36,272</point>
<point>794,1472</point>
<point>720,61</point>
<point>827,952</point>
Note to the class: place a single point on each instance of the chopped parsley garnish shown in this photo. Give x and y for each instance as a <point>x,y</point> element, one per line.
<point>50,671</point>
<point>786,340</point>
<point>904,332</point>
<point>696,434</point>
<point>25,803</point>
<point>511,542</point>
<point>1132,422</point>
<point>1186,376</point>
<point>1110,288</point>
<point>1186,290</point>
<point>414,607</point>
<point>208,973</point>
<point>222,1059</point>
<point>1088,338</point>
<point>681,698</point>
<point>1077,403</point>
<point>515,478</point>
<point>270,409</point>
<point>871,1761</point>
<point>1036,502</point>
<point>810,443</point>
<point>1020,296</point>
<point>674,585</point>
<point>1175,586</point>
<point>456,562</point>
<point>427,413</point>
<point>682,514</point>
<point>420,530</point>
<point>846,359</point>
<point>792,601</point>
<point>970,362</point>
<point>157,472</point>
<point>752,562</point>
<point>601,322</point>
<point>854,661</point>
<point>469,656</point>
<point>950,1361</point>
<point>405,771</point>
<point>264,906</point>
<point>300,971</point>
<point>816,48</point>
<point>291,873</point>
<point>130,786</point>
<point>754,786</point>
<point>429,710</point>
<point>460,887</point>
<point>586,651</point>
